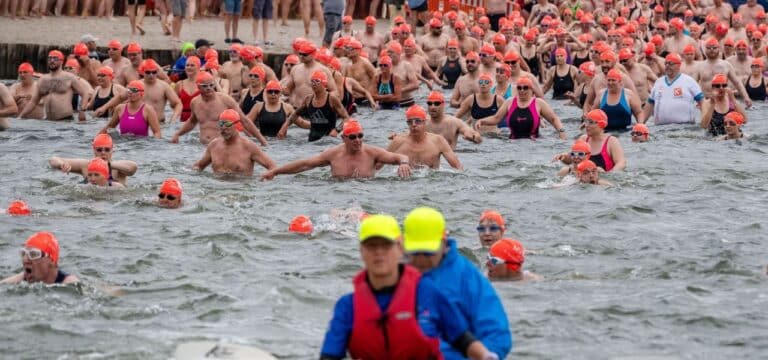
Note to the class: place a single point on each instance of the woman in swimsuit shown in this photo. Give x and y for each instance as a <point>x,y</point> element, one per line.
<point>606,150</point>
<point>481,105</point>
<point>134,117</point>
<point>187,88</point>
<point>756,84</point>
<point>733,123</point>
<point>255,92</point>
<point>714,109</point>
<point>105,91</point>
<point>269,116</point>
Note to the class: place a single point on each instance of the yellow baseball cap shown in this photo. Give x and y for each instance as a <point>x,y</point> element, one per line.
<point>380,226</point>
<point>424,229</point>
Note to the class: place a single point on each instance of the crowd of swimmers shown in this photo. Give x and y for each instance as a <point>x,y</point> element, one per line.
<point>615,61</point>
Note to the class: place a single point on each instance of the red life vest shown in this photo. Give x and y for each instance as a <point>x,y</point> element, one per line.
<point>395,334</point>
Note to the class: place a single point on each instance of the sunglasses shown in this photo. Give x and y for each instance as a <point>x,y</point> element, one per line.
<point>638,133</point>
<point>132,54</point>
<point>383,65</point>
<point>31,253</point>
<point>484,82</point>
<point>355,136</point>
<point>273,92</point>
<point>225,123</point>
<point>102,149</point>
<point>713,48</point>
<point>624,61</point>
<point>510,63</point>
<point>134,90</point>
<point>434,103</point>
<point>206,86</point>
<point>471,61</point>
<point>731,123</point>
<point>421,253</point>
<point>720,86</point>
<point>166,196</point>
<point>51,58</point>
<point>578,154</point>
<point>492,228</point>
<point>99,75</point>
<point>113,49</point>
<point>316,81</point>
<point>494,260</point>
<point>522,88</point>
<point>303,54</point>
<point>414,122</point>
<point>755,66</point>
<point>482,55</point>
<point>68,68</point>
<point>669,63</point>
<point>253,76</point>
<point>501,72</point>
<point>150,73</point>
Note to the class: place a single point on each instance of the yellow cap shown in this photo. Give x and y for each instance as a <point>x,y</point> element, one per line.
<point>381,226</point>
<point>424,229</point>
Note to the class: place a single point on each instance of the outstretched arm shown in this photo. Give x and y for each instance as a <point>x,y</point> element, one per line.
<point>298,166</point>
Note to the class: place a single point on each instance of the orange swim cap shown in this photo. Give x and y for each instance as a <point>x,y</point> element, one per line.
<point>99,166</point>
<point>409,43</point>
<point>236,48</point>
<point>340,42</point>
<point>56,53</point>
<point>493,216</point>
<point>203,77</point>
<point>614,74</point>
<point>211,53</point>
<point>107,71</point>
<point>301,225</point>
<point>689,49</point>
<point>608,55</point>
<point>435,23</point>
<point>171,186</point>
<point>351,126</point>
<point>292,59</point>
<point>45,242</point>
<point>560,52</point>
<point>136,84</point>
<point>259,71</point>
<point>511,251</point>
<point>588,68</point>
<point>758,62</point>
<point>436,96</point>
<point>598,116</point>
<point>115,44</point>
<point>346,19</point>
<point>674,58</point>
<point>18,208</point>
<point>357,45</point>
<point>395,47</point>
<point>229,115</point>
<point>511,55</point>
<point>453,43</point>
<point>486,76</point>
<point>73,64</point>
<point>720,79</point>
<point>335,64</point>
<point>641,128</point>
<point>150,65</point>
<point>297,42</point>
<point>585,165</point>
<point>80,49</point>
<point>472,56</point>
<point>212,64</point>
<point>499,39</point>
<point>385,60</point>
<point>133,47</point>
<point>415,112</point>
<point>736,117</point>
<point>582,146</point>
<point>193,60</point>
<point>370,20</point>
<point>625,53</point>
<point>650,49</point>
<point>102,140</point>
<point>258,52</point>
<point>459,25</point>
<point>26,68</point>
<point>307,48</point>
<point>247,54</point>
<point>488,49</point>
<point>274,85</point>
<point>525,81</point>
<point>742,43</point>
<point>319,75</point>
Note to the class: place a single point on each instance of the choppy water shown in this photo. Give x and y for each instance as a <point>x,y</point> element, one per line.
<point>669,263</point>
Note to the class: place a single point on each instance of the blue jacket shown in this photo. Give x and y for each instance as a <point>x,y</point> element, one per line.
<point>465,285</point>
<point>437,316</point>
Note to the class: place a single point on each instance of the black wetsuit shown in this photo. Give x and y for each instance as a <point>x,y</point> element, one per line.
<point>562,85</point>
<point>479,112</point>
<point>101,101</point>
<point>322,119</point>
<point>269,123</point>
<point>250,101</point>
<point>451,73</point>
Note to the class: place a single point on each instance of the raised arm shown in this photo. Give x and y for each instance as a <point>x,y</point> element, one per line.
<point>114,101</point>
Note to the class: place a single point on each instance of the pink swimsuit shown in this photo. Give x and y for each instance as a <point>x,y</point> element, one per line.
<point>134,124</point>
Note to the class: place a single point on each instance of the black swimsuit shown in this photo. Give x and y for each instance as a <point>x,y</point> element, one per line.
<point>347,99</point>
<point>387,88</point>
<point>60,276</point>
<point>479,112</point>
<point>322,119</point>
<point>250,101</point>
<point>269,123</point>
<point>577,61</point>
<point>533,64</point>
<point>101,101</point>
<point>756,93</point>
<point>451,72</point>
<point>562,85</point>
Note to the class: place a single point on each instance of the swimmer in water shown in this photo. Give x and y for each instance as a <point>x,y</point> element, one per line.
<point>231,153</point>
<point>98,174</point>
<point>640,133</point>
<point>589,173</point>
<point>352,159</point>
<point>505,262</point>
<point>490,228</point>
<point>733,122</point>
<point>169,195</point>
<point>102,148</point>
<point>40,259</point>
<point>580,151</point>
<point>422,147</point>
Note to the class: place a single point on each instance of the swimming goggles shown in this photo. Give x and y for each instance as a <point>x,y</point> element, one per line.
<point>494,260</point>
<point>492,228</point>
<point>578,153</point>
<point>415,121</point>
<point>484,82</point>
<point>166,196</point>
<point>224,123</point>
<point>637,133</point>
<point>32,253</point>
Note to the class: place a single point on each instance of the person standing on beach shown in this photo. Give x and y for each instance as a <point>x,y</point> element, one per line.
<point>332,12</point>
<point>136,10</point>
<point>307,7</point>
<point>262,10</point>
<point>179,10</point>
<point>232,10</point>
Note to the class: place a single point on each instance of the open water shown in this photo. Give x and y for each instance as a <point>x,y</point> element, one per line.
<point>670,263</point>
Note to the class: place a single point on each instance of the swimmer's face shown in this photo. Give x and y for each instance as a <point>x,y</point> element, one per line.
<point>103,152</point>
<point>39,269</point>
<point>613,84</point>
<point>472,64</point>
<point>452,51</point>
<point>497,271</point>
<point>560,59</point>
<point>416,125</point>
<point>255,80</point>
<point>732,128</point>
<point>639,137</point>
<point>589,176</point>
<point>234,55</point>
<point>191,68</point>
<point>436,30</point>
<point>227,129</point>
<point>101,79</point>
<point>380,256</point>
<point>489,232</point>
<point>208,87</point>
<point>168,201</point>
<point>742,50</point>
<point>135,58</point>
<point>689,56</point>
<point>353,141</point>
<point>25,75</point>
<point>756,69</point>
<point>409,50</point>
<point>97,179</point>
<point>485,85</point>
<point>712,51</point>
<point>435,108</point>
<point>54,63</point>
<point>607,65</point>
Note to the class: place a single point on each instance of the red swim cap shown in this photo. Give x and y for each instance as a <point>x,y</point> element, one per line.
<point>436,96</point>
<point>581,145</point>
<point>585,165</point>
<point>301,225</point>
<point>102,140</point>
<point>598,116</point>
<point>99,166</point>
<point>415,112</point>
<point>80,49</point>
<point>45,242</point>
<point>18,208</point>
<point>511,251</point>
<point>26,68</point>
<point>171,186</point>
<point>351,126</point>
<point>493,216</point>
